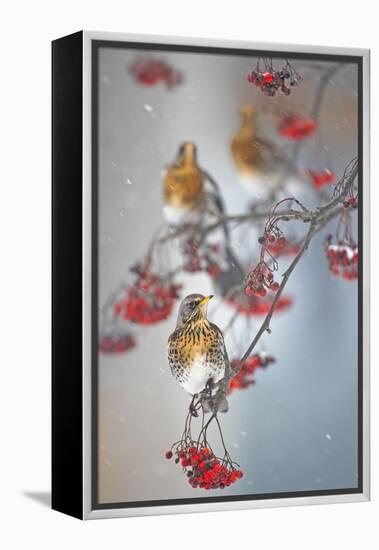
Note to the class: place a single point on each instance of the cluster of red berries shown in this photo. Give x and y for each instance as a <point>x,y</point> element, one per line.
<point>116,342</point>
<point>251,306</point>
<point>278,249</point>
<point>320,179</point>
<point>260,279</point>
<point>296,128</point>
<point>204,469</point>
<point>244,379</point>
<point>343,259</point>
<point>274,241</point>
<point>271,81</point>
<point>351,202</point>
<point>149,72</point>
<point>149,300</point>
<point>206,261</point>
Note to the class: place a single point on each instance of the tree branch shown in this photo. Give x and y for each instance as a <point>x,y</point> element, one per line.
<point>317,219</point>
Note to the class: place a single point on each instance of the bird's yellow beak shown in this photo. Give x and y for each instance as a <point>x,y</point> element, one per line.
<point>205,300</point>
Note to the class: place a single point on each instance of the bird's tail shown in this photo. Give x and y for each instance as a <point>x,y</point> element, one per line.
<point>209,405</point>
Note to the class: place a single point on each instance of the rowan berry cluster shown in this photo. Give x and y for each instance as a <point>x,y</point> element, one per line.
<point>320,179</point>
<point>259,280</point>
<point>295,127</point>
<point>343,258</point>
<point>278,249</point>
<point>244,379</point>
<point>201,257</point>
<point>149,300</point>
<point>251,306</point>
<point>203,469</point>
<point>116,342</point>
<point>351,201</point>
<point>271,81</point>
<point>150,71</point>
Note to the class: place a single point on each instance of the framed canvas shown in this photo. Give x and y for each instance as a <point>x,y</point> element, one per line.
<point>210,275</point>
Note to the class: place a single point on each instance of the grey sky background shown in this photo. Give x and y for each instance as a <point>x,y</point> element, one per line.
<point>296,429</point>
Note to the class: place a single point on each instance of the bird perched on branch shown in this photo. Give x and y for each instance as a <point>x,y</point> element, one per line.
<point>183,184</point>
<point>196,352</point>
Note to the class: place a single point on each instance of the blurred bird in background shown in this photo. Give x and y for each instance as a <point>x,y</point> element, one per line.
<point>192,196</point>
<point>183,184</point>
<point>258,162</point>
<point>196,352</point>
<point>244,146</point>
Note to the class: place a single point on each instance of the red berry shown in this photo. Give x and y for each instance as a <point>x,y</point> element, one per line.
<point>195,459</point>
<point>256,361</point>
<point>168,454</point>
<point>267,77</point>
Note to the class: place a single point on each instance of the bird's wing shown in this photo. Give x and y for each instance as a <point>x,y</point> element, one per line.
<point>171,344</point>
<point>222,345</point>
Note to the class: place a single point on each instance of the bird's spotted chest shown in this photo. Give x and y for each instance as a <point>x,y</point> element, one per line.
<point>196,356</point>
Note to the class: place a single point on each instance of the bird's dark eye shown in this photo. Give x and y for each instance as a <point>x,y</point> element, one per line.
<point>193,304</point>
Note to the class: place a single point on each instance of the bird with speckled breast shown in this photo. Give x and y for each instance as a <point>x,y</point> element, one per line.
<point>196,351</point>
